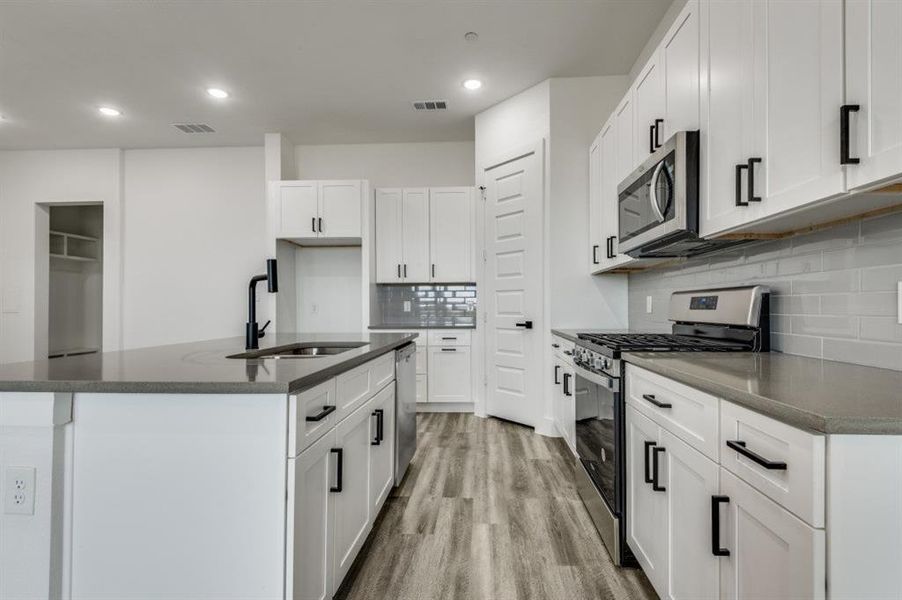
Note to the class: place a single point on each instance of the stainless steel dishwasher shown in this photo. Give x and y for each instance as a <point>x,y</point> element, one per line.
<point>405,408</point>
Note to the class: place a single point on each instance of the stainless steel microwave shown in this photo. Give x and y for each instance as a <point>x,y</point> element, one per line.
<point>658,203</point>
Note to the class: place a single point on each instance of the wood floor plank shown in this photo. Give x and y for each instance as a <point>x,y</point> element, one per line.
<point>488,511</point>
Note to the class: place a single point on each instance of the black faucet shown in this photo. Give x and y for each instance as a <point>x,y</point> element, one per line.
<point>252,333</point>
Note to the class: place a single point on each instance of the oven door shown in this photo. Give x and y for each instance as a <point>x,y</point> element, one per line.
<point>599,433</point>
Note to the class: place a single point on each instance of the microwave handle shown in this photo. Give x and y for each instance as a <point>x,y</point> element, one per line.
<point>653,194</point>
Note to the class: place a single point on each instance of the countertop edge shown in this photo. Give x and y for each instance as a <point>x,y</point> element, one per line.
<point>773,408</point>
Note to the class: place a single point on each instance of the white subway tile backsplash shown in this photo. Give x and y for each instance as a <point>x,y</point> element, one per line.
<point>834,290</point>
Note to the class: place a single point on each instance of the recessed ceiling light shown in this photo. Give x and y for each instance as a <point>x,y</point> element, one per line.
<point>109,111</point>
<point>218,93</point>
<point>472,84</point>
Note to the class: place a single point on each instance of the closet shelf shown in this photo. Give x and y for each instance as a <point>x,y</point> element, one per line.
<point>73,246</point>
<point>72,352</point>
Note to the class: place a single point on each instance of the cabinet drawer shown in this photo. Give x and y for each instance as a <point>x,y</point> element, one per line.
<point>448,337</point>
<point>795,479</point>
<point>689,414</point>
<point>311,413</point>
<point>356,386</point>
<point>563,349</point>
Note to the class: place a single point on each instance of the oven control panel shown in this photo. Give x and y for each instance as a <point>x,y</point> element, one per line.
<point>593,361</point>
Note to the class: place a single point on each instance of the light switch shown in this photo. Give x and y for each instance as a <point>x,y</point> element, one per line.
<point>18,491</point>
<point>648,306</point>
<point>899,307</point>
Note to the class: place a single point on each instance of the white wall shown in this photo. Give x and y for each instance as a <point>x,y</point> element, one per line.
<point>389,165</point>
<point>194,235</point>
<point>514,123</point>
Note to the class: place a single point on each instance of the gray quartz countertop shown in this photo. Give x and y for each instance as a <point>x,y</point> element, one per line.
<point>198,367</point>
<point>814,394</point>
<point>415,327</point>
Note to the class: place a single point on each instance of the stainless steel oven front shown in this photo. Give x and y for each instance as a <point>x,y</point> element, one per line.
<point>599,446</point>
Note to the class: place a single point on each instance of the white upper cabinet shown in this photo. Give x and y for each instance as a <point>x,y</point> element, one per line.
<point>679,64</point>
<point>339,209</point>
<point>596,203</point>
<point>320,209</point>
<point>648,101</point>
<point>424,235</point>
<point>450,234</point>
<point>874,83</point>
<point>415,233</point>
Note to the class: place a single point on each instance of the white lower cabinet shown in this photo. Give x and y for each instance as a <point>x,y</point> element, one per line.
<point>382,443</point>
<point>449,374</point>
<point>773,554</point>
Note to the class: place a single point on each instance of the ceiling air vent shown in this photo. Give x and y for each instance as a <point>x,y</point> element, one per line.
<point>193,128</point>
<point>430,105</point>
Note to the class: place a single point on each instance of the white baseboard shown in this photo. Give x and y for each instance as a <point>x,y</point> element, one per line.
<point>546,427</point>
<point>445,407</point>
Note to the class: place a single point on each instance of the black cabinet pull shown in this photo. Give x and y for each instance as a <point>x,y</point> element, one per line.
<point>399,270</point>
<point>320,222</point>
<point>658,403</point>
<point>557,371</point>
<point>325,412</point>
<point>524,324</point>
<point>452,338</point>
<point>449,349</point>
<point>716,501</point>
<point>378,413</point>
<point>844,111</point>
<point>648,478</point>
<point>610,246</point>
<point>595,254</point>
<point>555,345</point>
<point>313,224</point>
<point>739,170</point>
<point>658,123</point>
<point>567,391</point>
<point>405,270</point>
<point>433,269</point>
<point>568,352</point>
<point>755,457</point>
<point>751,180</point>
<point>655,453</point>
<point>651,139</point>
<point>338,469</point>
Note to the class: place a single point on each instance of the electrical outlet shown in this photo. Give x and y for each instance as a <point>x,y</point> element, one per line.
<point>18,491</point>
<point>407,306</point>
<point>648,304</point>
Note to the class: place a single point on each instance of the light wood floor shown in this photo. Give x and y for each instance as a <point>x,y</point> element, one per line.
<point>488,510</point>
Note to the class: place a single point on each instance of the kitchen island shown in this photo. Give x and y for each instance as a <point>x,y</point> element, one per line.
<point>175,471</point>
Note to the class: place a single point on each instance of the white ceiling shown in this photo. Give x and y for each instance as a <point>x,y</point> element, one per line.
<point>321,72</point>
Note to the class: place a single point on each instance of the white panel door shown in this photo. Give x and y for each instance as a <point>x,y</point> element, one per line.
<point>451,234</point>
<point>382,442</point>
<point>389,235</point>
<point>648,96</point>
<point>693,572</point>
<point>773,554</point>
<point>514,204</point>
<point>727,114</point>
<point>874,82</point>
<point>415,266</point>
<point>646,511</point>
<point>449,374</point>
<point>798,92</point>
<point>679,58</point>
<point>298,209</point>
<point>350,491</point>
<point>340,205</point>
<point>596,210</point>
<point>309,523</point>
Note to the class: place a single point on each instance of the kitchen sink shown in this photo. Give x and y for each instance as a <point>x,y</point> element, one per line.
<point>302,350</point>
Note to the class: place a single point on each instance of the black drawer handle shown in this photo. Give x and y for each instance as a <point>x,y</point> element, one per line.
<point>568,352</point>
<point>658,403</point>
<point>844,112</point>
<point>313,224</point>
<point>433,270</point>
<point>567,391</point>
<point>754,457</point>
<point>655,453</point>
<point>399,270</point>
<point>449,349</point>
<point>555,345</point>
<point>648,478</point>
<point>449,338</point>
<point>338,469</point>
<point>557,371</point>
<point>716,501</point>
<point>379,414</point>
<point>325,412</point>
<point>320,223</point>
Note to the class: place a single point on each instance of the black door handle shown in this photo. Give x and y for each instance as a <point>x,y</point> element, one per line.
<point>313,224</point>
<point>658,123</point>
<point>755,457</point>
<point>320,222</point>
<point>433,270</point>
<point>844,111</point>
<point>751,180</point>
<point>658,403</point>
<point>405,270</point>
<point>378,413</point>
<point>524,324</point>
<point>648,478</point>
<point>716,501</point>
<point>595,254</point>
<point>651,139</point>
<point>739,170</point>
<point>567,391</point>
<point>325,412</point>
<point>655,453</point>
<point>557,371</point>
<point>338,469</point>
<point>399,270</point>
<point>610,246</point>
